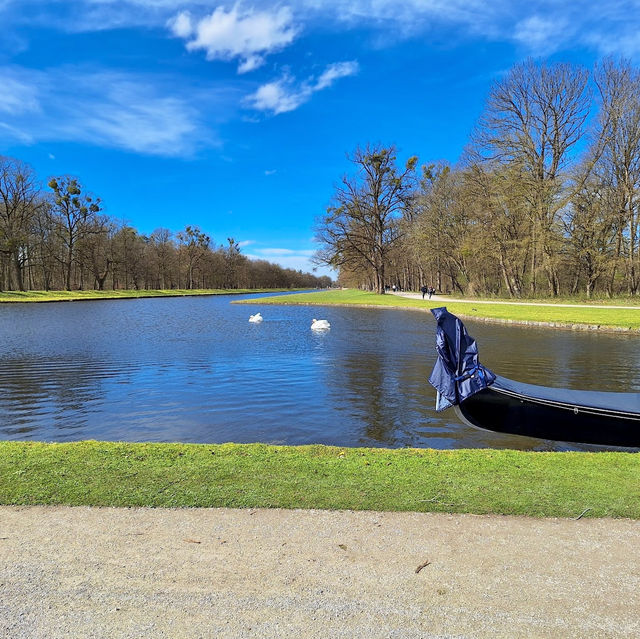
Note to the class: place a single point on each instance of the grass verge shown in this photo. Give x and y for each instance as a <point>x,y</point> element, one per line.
<point>74,296</point>
<point>503,482</point>
<point>594,316</point>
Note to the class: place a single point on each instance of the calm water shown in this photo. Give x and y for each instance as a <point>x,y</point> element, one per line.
<point>194,369</point>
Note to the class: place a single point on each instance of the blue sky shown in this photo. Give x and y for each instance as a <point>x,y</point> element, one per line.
<point>237,117</point>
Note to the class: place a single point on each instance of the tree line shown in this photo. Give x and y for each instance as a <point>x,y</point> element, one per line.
<point>60,238</point>
<point>544,201</point>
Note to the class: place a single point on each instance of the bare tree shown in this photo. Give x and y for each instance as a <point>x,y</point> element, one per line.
<point>94,249</point>
<point>74,211</point>
<point>361,227</point>
<point>195,244</point>
<point>534,117</point>
<point>232,261</point>
<point>45,243</point>
<point>436,227</point>
<point>501,220</point>
<point>129,249</point>
<point>163,249</point>
<point>591,232</point>
<point>617,156</point>
<point>20,197</point>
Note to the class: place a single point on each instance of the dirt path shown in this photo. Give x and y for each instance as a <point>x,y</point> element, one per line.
<point>447,298</point>
<point>216,573</point>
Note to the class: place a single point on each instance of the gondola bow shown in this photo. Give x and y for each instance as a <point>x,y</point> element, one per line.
<point>457,374</point>
<point>485,400</point>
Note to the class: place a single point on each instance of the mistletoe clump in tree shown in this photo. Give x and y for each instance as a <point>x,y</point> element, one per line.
<point>74,215</point>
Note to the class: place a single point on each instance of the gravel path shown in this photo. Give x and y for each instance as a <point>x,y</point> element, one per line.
<point>216,573</point>
<point>447,298</point>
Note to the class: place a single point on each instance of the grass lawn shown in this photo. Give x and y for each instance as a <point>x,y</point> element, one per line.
<point>258,475</point>
<point>72,296</point>
<point>615,318</point>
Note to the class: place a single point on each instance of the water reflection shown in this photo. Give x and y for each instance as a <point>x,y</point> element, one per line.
<point>373,398</point>
<point>58,392</point>
<point>195,370</point>
<point>569,359</point>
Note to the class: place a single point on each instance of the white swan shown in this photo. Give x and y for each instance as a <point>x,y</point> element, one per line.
<point>318,325</point>
<point>255,318</point>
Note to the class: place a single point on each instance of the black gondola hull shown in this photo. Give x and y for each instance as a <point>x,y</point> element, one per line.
<point>503,412</point>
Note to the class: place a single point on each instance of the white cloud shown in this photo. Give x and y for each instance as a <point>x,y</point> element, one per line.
<point>627,45</point>
<point>181,25</point>
<point>132,120</point>
<point>250,63</point>
<point>299,260</point>
<point>283,252</point>
<point>408,18</point>
<point>541,35</point>
<point>270,171</point>
<point>247,35</point>
<point>103,108</point>
<point>279,96</point>
<point>286,94</point>
<point>13,133</point>
<point>17,97</point>
<point>334,72</point>
<point>540,26</point>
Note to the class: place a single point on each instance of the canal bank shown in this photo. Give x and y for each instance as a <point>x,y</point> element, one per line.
<point>575,326</point>
<point>597,316</point>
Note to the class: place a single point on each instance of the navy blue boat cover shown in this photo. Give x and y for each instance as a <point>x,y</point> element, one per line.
<point>457,373</point>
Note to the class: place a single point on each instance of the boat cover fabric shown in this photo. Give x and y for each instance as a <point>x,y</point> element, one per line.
<point>615,402</point>
<point>457,373</point>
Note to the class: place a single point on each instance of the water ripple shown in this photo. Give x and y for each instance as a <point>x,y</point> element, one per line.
<point>195,370</point>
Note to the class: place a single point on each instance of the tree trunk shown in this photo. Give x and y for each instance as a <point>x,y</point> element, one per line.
<point>18,269</point>
<point>68,272</point>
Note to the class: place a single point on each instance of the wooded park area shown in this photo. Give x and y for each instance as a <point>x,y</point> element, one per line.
<point>545,200</point>
<point>59,239</point>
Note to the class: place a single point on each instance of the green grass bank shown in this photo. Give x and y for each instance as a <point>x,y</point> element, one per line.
<point>75,296</point>
<point>595,316</point>
<point>504,482</point>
